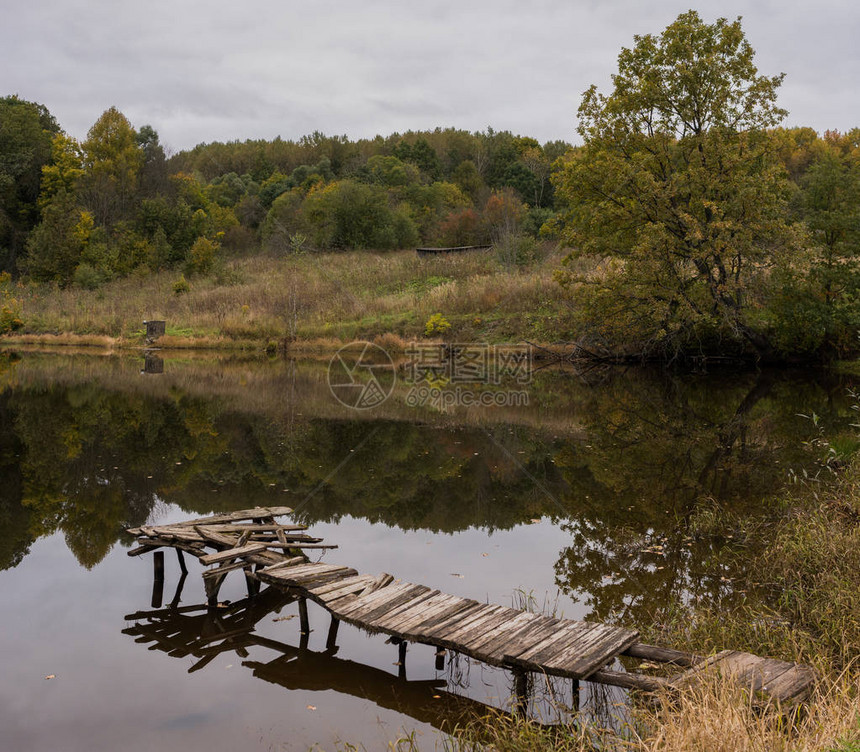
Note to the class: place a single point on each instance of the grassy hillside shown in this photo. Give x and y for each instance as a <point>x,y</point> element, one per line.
<point>314,300</point>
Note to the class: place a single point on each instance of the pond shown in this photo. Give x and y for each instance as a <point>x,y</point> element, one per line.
<point>593,497</point>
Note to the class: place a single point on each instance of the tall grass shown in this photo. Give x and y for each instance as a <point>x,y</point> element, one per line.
<point>340,296</point>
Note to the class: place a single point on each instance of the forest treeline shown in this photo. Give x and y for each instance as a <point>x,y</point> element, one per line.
<point>696,222</point>
<point>85,212</point>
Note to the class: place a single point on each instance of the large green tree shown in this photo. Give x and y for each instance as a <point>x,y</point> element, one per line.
<point>26,129</point>
<point>112,164</point>
<point>677,193</point>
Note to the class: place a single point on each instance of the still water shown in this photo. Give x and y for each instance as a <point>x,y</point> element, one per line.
<point>594,499</point>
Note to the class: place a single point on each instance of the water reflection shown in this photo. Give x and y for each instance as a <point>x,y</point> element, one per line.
<point>629,464</point>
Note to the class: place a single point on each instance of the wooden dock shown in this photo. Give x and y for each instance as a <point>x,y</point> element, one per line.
<point>272,553</point>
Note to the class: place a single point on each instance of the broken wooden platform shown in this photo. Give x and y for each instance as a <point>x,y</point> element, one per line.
<point>520,641</point>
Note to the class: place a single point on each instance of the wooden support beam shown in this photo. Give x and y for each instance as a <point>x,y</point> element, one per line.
<point>401,659</point>
<point>158,566</point>
<point>303,616</point>
<point>331,640</point>
<point>440,659</point>
<point>181,558</point>
<point>521,692</point>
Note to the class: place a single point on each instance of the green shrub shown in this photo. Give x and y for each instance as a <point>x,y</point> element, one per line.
<point>436,324</point>
<point>201,257</point>
<point>181,286</point>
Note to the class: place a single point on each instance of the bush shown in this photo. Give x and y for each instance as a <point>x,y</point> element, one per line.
<point>436,324</point>
<point>88,277</point>
<point>201,257</point>
<point>10,310</point>
<point>181,286</point>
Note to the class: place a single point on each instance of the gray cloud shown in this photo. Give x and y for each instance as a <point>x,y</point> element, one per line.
<point>201,71</point>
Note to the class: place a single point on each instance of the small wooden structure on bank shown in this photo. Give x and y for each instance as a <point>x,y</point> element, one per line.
<point>272,553</point>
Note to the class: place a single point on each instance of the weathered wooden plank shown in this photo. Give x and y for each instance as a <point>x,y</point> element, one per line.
<point>544,631</point>
<point>581,651</point>
<point>375,598</point>
<point>369,615</point>
<point>144,549</point>
<point>333,590</point>
<point>452,638</point>
<point>517,641</point>
<point>383,580</point>
<point>291,562</point>
<point>764,674</point>
<point>255,527</point>
<point>503,634</point>
<point>562,636</point>
<point>423,630</point>
<point>630,681</point>
<point>233,553</point>
<point>242,514</point>
<point>447,621</point>
<point>416,613</point>
<point>227,567</point>
<point>178,532</point>
<point>600,654</point>
<point>443,631</point>
<point>323,576</point>
<point>793,685</point>
<point>391,614</point>
<point>286,574</point>
<point>477,635</point>
<point>662,655</point>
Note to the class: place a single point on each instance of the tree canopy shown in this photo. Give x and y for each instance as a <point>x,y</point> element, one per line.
<point>678,191</point>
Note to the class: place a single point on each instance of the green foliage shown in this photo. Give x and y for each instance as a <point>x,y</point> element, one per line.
<point>437,324</point>
<point>88,277</point>
<point>181,286</point>
<point>678,189</point>
<point>201,257</point>
<point>10,308</point>
<point>112,165</point>
<point>54,247</point>
<point>26,131</point>
<point>347,214</point>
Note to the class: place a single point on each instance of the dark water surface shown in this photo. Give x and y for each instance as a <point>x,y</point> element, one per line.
<point>594,499</point>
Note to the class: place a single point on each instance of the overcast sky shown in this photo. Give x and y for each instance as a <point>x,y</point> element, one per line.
<point>204,71</point>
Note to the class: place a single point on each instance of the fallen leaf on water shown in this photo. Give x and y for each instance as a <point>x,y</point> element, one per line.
<point>312,707</point>
<point>484,554</point>
<point>285,618</point>
<point>229,665</point>
<point>51,676</point>
<point>535,521</point>
<point>437,697</point>
<point>455,574</point>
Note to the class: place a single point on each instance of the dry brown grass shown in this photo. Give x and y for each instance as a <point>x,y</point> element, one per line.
<point>315,297</point>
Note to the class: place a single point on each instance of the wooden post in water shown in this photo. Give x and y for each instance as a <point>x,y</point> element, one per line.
<point>304,624</point>
<point>521,692</point>
<point>440,659</point>
<point>575,689</point>
<point>331,640</point>
<point>158,578</point>
<point>251,582</point>
<point>401,660</point>
<point>213,585</point>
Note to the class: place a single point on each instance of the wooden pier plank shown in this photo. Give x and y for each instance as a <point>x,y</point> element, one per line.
<point>413,595</point>
<point>238,516</point>
<point>391,617</point>
<point>421,612</point>
<point>232,553</point>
